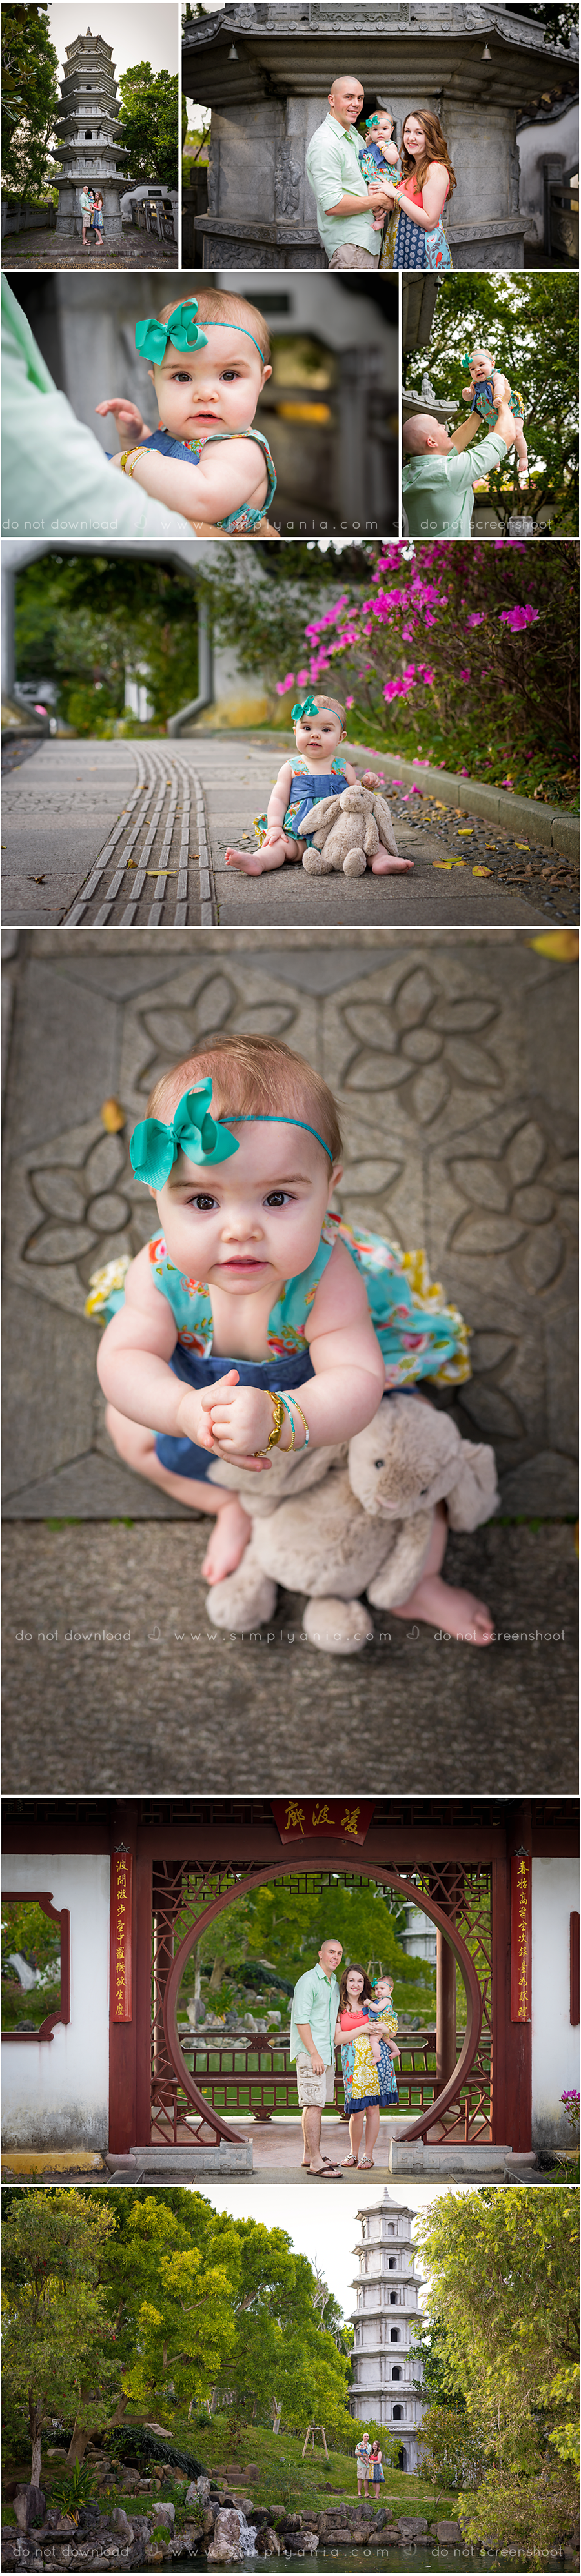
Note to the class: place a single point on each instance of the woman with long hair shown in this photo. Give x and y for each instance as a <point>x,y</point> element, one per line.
<point>427,180</point>
<point>369,2079</point>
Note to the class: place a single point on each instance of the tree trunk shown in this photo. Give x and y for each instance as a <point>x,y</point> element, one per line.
<point>77,2444</point>
<point>35,2420</point>
<point>217,1973</point>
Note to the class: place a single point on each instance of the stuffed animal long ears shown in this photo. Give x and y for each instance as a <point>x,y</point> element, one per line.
<point>475,1495</point>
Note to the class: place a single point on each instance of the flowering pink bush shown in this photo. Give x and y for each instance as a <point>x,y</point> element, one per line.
<point>521,679</point>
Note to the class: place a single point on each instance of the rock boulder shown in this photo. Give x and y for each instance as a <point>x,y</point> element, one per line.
<point>29,2507</point>
<point>449,2533</point>
<point>226,2547</point>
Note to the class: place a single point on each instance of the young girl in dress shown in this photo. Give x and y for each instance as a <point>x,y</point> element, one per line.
<point>319,770</point>
<point>367,2065</point>
<point>210,358</point>
<point>255,1318</point>
<point>479,393</point>
<point>428,179</point>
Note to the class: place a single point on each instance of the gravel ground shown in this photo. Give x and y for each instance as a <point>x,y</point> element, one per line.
<point>171,1701</point>
<point>522,867</point>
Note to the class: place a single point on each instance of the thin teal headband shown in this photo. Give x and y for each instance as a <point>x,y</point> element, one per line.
<point>155,1145</point>
<point>151,338</point>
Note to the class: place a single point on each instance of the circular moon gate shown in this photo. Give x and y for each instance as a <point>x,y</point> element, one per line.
<point>384,1878</point>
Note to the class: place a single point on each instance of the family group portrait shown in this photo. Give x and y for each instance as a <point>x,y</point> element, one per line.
<point>90,135</point>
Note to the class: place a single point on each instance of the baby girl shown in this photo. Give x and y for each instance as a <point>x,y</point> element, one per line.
<point>379,156</point>
<point>317,771</point>
<point>210,358</point>
<point>380,2008</point>
<point>482,394</point>
<point>255,1319</point>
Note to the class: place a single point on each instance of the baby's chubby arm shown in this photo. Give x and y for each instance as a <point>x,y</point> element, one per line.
<point>133,1362</point>
<point>230,473</point>
<point>277,802</point>
<point>349,1374</point>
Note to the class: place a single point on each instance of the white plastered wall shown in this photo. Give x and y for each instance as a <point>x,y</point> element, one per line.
<point>555,2045</point>
<point>56,2094</point>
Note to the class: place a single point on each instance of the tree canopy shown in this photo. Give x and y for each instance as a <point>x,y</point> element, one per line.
<point>30,98</point>
<point>530,323</point>
<point>281,1927</point>
<point>504,2305</point>
<point>149,115</point>
<point>59,2343</point>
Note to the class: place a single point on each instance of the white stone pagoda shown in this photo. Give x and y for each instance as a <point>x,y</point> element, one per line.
<point>88,133</point>
<point>386,2323</point>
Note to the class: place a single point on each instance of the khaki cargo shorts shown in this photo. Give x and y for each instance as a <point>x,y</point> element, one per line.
<point>314,2090</point>
<point>353,255</point>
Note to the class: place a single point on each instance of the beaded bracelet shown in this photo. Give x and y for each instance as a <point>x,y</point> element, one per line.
<point>135,452</point>
<point>293,1399</point>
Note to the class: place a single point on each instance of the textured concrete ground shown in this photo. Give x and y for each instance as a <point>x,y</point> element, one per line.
<point>114,1680</point>
<point>43,248</point>
<point>61,807</point>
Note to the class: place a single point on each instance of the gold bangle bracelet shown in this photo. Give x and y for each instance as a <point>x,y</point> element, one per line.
<point>278,1423</point>
<point>135,452</point>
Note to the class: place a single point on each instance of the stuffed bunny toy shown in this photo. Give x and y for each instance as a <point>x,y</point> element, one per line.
<point>350,829</point>
<point>336,1523</point>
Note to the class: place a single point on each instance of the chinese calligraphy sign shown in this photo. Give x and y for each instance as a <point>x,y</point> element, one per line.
<point>299,1819</point>
<point>121,1948</point>
<point>520,1936</point>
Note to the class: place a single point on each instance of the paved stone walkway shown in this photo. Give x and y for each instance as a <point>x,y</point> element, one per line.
<point>42,248</point>
<point>73,853</point>
<point>114,1680</point>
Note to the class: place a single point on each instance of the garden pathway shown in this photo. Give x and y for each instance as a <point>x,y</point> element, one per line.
<point>100,832</point>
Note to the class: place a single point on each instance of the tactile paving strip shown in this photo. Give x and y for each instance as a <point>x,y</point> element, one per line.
<point>146,873</point>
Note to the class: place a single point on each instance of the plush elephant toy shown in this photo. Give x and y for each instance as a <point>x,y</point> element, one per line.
<point>337,1523</point>
<point>350,829</point>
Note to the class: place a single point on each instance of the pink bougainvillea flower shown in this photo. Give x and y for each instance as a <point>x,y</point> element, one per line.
<point>477,618</point>
<point>516,618</point>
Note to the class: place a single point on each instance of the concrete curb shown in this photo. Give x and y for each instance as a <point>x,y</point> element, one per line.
<point>550,825</point>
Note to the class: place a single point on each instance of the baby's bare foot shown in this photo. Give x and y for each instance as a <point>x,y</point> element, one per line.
<point>460,1614</point>
<point>229,1538</point>
<point>386,865</point>
<point>249,860</point>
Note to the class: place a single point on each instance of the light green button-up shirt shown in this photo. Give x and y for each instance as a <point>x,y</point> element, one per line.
<point>316,2001</point>
<point>334,170</point>
<point>55,479</point>
<point>437,490</point>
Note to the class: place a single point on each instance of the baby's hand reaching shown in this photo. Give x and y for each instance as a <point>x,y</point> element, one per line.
<point>127,416</point>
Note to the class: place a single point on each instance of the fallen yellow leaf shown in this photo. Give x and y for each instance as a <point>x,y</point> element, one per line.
<point>522,845</point>
<point>482,872</point>
<point>465,831</point>
<point>113,1116</point>
<point>562,944</point>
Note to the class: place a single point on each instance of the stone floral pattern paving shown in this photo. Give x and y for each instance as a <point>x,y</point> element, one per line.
<point>447,1143</point>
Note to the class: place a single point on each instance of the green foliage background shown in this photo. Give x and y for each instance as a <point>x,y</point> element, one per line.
<point>149,115</point>
<point>30,99</point>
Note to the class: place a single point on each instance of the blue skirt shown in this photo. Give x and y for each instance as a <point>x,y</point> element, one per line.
<point>182,1456</point>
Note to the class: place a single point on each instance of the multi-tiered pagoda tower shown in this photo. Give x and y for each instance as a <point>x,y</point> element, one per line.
<point>88,132</point>
<point>386,2323</point>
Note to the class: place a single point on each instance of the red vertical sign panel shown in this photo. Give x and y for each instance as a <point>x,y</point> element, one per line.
<point>121,1953</point>
<point>520,1936</point>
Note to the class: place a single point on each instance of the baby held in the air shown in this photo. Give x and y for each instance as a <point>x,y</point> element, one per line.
<point>210,358</point>
<point>319,769</point>
<point>482,393</point>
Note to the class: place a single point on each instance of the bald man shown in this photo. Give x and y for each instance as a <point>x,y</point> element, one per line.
<point>439,474</point>
<point>345,202</point>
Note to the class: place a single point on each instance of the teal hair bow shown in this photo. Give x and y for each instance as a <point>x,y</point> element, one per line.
<point>371,120</point>
<point>304,707</point>
<point>151,338</point>
<point>155,1146</point>
<point>465,361</point>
